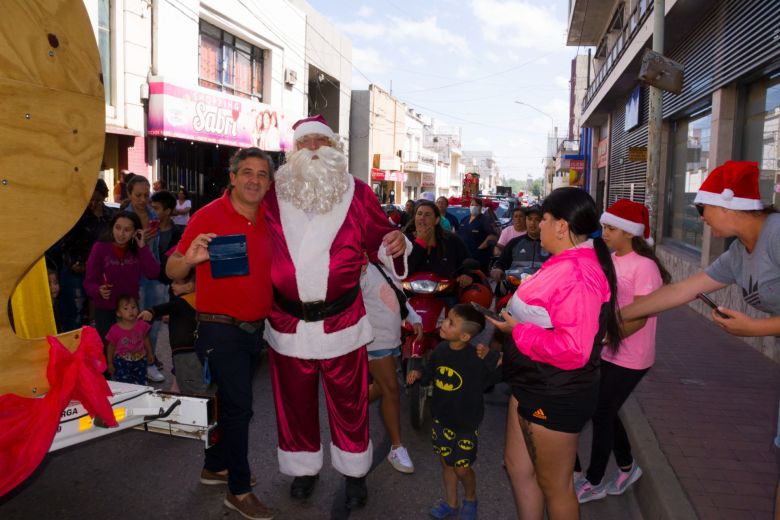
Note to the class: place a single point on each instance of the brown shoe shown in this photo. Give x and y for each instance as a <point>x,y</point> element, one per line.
<point>250,507</point>
<point>212,478</point>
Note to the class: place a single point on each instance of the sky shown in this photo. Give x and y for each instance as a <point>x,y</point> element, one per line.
<point>465,63</point>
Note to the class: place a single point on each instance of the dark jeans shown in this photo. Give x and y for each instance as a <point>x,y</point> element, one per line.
<point>232,355</point>
<point>609,435</point>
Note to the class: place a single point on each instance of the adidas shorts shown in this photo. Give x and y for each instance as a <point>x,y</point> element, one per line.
<point>566,413</point>
<point>458,448</point>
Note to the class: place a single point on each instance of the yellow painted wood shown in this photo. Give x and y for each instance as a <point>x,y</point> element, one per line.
<point>31,304</point>
<point>52,121</point>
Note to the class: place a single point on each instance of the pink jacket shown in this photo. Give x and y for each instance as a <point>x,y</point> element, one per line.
<point>572,288</point>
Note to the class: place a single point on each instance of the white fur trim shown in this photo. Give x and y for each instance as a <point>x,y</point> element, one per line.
<point>387,260</point>
<point>299,463</point>
<point>727,194</point>
<point>311,342</point>
<point>629,226</point>
<point>312,128</point>
<point>351,464</point>
<point>717,199</point>
<point>309,242</point>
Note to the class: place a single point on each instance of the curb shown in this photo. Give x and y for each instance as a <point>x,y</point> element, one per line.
<point>659,494</point>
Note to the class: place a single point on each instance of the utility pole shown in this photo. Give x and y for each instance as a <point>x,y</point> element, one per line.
<point>654,124</point>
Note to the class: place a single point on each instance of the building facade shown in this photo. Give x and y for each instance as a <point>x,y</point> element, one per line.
<point>189,82</point>
<point>728,109</point>
<point>123,33</point>
<point>377,137</point>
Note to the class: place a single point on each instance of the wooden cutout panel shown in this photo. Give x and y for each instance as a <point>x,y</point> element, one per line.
<point>52,122</point>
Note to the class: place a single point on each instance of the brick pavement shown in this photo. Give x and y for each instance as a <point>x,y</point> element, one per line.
<point>712,403</point>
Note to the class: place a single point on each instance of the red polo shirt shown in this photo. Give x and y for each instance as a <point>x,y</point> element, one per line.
<point>246,298</point>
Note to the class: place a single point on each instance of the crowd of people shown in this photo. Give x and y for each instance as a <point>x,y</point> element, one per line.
<point>314,271</point>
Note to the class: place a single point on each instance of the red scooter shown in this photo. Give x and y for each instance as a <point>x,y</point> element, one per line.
<point>424,291</point>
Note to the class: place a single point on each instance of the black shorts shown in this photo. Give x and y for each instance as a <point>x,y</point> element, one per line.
<point>458,447</point>
<point>566,413</point>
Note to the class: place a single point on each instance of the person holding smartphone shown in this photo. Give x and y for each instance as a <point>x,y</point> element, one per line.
<point>115,267</point>
<point>730,203</point>
<point>559,319</point>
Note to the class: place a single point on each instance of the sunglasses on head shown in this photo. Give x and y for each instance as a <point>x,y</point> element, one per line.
<point>699,209</point>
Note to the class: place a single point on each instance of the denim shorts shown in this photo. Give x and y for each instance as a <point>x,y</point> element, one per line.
<point>385,352</point>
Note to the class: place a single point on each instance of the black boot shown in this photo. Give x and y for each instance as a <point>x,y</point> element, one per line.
<point>357,493</point>
<point>303,487</point>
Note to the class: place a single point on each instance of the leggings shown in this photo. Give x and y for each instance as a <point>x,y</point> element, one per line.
<point>609,435</point>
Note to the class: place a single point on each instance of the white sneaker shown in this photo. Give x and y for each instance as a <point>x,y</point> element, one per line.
<point>152,374</point>
<point>399,459</point>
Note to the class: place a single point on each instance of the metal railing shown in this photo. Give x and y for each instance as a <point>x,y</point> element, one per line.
<point>627,34</point>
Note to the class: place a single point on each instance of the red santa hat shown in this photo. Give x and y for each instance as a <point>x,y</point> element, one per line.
<point>733,185</point>
<point>315,125</point>
<point>632,217</point>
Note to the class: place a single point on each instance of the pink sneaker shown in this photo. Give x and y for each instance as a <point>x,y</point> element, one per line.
<point>586,491</point>
<point>623,479</point>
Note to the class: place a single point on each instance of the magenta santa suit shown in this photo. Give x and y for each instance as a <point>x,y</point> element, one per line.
<point>316,258</point>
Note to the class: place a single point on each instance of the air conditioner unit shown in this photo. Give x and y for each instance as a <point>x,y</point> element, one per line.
<point>290,76</point>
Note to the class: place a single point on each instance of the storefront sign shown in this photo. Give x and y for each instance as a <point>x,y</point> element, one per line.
<point>603,152</point>
<point>428,180</point>
<point>637,153</point>
<point>205,115</point>
<point>576,168</point>
<point>387,175</point>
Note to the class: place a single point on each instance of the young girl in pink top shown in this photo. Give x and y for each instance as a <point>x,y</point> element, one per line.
<point>626,232</point>
<point>559,319</point>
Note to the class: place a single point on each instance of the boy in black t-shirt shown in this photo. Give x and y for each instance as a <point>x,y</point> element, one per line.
<point>459,377</point>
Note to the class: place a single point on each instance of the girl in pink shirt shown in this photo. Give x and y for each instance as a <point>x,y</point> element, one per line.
<point>559,319</point>
<point>626,232</point>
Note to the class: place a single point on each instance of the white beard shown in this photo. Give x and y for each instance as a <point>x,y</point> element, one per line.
<point>313,185</point>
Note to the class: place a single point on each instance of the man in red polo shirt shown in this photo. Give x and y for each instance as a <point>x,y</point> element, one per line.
<point>231,307</point>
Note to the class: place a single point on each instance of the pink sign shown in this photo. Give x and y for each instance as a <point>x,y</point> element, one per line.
<point>205,115</point>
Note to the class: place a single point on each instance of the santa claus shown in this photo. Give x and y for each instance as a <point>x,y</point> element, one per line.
<point>321,221</point>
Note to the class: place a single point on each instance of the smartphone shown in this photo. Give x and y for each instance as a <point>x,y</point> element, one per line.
<point>487,312</point>
<point>714,306</point>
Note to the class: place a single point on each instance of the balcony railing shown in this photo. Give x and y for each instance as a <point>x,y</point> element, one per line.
<point>627,34</point>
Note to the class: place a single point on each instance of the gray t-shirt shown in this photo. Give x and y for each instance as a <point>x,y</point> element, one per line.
<point>757,273</point>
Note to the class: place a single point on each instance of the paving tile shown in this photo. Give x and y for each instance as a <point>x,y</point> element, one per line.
<point>711,401</point>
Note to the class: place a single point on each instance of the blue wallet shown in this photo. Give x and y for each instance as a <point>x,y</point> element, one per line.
<point>228,256</point>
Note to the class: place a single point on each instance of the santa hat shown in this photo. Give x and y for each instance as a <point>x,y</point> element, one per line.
<point>315,125</point>
<point>631,217</point>
<point>733,185</point>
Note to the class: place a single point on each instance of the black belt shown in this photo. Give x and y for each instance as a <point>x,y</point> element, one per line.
<point>318,310</point>
<point>247,326</point>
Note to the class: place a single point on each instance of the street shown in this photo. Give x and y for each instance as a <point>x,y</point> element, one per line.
<point>135,474</point>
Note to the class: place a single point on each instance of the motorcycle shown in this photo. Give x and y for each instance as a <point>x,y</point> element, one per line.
<point>424,292</point>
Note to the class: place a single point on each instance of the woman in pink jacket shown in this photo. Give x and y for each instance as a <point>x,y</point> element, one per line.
<point>559,319</point>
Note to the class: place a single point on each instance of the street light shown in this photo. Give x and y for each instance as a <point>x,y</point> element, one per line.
<point>552,121</point>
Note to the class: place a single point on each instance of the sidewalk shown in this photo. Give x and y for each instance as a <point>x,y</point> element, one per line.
<point>710,405</point>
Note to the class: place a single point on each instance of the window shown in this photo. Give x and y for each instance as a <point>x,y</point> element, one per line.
<point>761,136</point>
<point>690,166</point>
<point>229,64</point>
<point>104,45</point>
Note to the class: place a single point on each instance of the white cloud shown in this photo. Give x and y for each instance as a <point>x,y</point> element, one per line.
<point>519,24</point>
<point>492,57</point>
<point>365,11</point>
<point>562,82</point>
<point>362,29</point>
<point>464,71</point>
<point>428,30</point>
<point>368,61</point>
<point>480,143</point>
